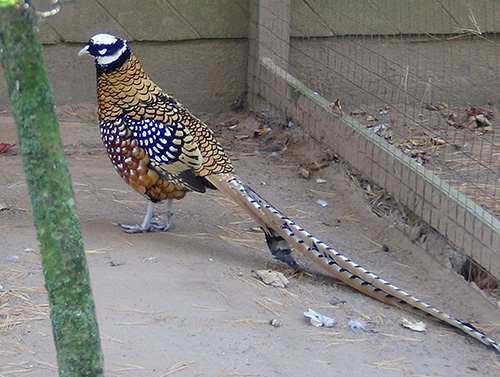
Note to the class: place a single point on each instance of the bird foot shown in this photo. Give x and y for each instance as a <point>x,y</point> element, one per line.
<point>288,259</point>
<point>134,228</point>
<point>160,226</point>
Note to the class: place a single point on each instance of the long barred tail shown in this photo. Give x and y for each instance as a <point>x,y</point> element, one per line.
<point>281,232</point>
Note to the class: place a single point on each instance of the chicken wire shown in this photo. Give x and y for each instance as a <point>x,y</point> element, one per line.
<point>417,79</point>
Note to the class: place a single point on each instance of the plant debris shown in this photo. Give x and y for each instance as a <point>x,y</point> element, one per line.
<point>480,118</point>
<point>383,130</point>
<point>272,278</point>
<point>4,147</point>
<point>263,129</point>
<point>318,319</point>
<point>413,325</point>
<point>336,108</point>
<point>440,106</point>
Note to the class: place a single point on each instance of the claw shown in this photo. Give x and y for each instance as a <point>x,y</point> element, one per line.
<point>162,227</point>
<point>134,228</point>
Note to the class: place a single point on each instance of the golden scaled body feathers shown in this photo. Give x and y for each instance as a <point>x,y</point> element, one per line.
<point>170,149</point>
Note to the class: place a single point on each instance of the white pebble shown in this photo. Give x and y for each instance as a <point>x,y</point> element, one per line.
<point>322,202</point>
<point>357,325</point>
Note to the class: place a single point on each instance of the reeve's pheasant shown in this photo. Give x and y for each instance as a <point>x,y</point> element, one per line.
<point>163,151</point>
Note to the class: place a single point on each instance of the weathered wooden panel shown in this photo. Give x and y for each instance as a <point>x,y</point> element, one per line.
<point>147,20</point>
<point>325,18</point>
<point>173,20</point>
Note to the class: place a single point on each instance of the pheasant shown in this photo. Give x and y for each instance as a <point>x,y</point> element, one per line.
<point>160,149</point>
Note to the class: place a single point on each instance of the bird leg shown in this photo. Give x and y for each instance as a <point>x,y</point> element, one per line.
<point>146,223</point>
<point>164,226</point>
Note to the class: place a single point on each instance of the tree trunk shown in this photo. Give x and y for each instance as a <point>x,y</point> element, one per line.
<point>64,265</point>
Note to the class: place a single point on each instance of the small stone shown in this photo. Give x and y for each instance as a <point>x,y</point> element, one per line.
<point>275,322</point>
<point>322,202</point>
<point>357,325</point>
<point>152,260</point>
<point>335,301</point>
<point>13,258</point>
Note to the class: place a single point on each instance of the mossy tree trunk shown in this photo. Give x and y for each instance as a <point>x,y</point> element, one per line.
<point>58,227</point>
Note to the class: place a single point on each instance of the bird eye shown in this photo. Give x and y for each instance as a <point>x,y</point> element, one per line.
<point>103,51</point>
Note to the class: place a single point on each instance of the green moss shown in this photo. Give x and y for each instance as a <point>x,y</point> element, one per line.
<point>64,266</point>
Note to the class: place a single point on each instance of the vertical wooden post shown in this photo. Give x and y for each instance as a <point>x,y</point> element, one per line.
<point>269,37</point>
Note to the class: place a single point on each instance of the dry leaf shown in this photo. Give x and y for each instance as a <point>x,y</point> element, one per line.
<point>305,173</point>
<point>412,324</point>
<point>273,278</point>
<point>318,319</point>
<point>479,117</point>
<point>4,147</point>
<point>437,140</point>
<point>336,108</point>
<point>241,137</point>
<point>261,131</point>
<point>440,106</point>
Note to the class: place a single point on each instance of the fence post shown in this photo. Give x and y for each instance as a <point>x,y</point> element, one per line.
<point>269,35</point>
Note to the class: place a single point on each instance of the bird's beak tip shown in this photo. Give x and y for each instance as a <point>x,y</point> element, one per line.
<point>84,51</point>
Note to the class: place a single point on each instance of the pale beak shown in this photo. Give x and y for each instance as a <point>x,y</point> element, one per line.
<point>84,50</point>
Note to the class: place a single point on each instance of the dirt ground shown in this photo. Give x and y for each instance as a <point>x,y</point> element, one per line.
<point>448,141</point>
<point>186,303</point>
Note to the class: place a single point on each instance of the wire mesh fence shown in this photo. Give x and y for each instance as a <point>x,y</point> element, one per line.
<point>418,82</point>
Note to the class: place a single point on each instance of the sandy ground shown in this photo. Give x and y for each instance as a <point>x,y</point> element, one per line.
<point>186,303</point>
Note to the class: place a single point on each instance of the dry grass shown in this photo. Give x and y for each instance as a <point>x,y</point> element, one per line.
<point>238,374</point>
<point>248,321</point>
<point>181,365</point>
<point>331,338</point>
<point>127,367</point>
<point>390,364</point>
<point>20,304</point>
<point>270,305</point>
<point>400,338</point>
<point>495,364</point>
<point>146,318</point>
